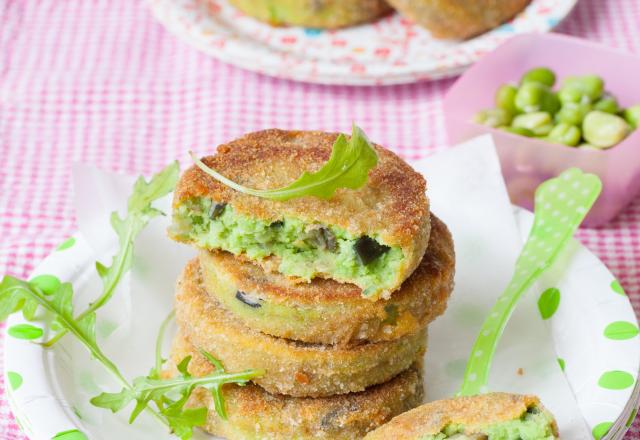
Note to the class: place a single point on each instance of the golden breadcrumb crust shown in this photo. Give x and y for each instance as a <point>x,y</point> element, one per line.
<point>391,207</point>
<point>255,414</point>
<point>292,368</point>
<point>318,14</point>
<point>459,19</point>
<point>327,312</point>
<point>474,413</point>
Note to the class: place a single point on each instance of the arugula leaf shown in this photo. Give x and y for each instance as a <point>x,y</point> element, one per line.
<point>149,389</point>
<point>348,167</point>
<point>161,392</point>
<point>169,396</point>
<point>182,421</point>
<point>157,367</point>
<point>140,211</point>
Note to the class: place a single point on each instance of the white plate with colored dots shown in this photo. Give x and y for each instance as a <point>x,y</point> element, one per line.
<point>391,50</point>
<point>592,322</point>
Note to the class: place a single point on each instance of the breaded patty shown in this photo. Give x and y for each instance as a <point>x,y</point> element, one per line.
<point>255,414</point>
<point>373,237</point>
<point>495,415</point>
<point>328,312</point>
<point>328,14</point>
<point>292,368</point>
<point>459,19</point>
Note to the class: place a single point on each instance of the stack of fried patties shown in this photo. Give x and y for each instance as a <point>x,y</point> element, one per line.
<point>331,298</point>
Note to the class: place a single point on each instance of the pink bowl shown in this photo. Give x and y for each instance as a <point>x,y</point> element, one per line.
<point>527,162</point>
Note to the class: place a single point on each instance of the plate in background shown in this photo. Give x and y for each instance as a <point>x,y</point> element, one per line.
<point>389,51</point>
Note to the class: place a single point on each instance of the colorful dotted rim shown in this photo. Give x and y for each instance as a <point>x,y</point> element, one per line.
<point>370,54</point>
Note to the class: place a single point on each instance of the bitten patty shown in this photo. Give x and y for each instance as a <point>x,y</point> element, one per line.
<point>325,311</point>
<point>487,416</point>
<point>373,237</point>
<point>323,14</point>
<point>292,368</point>
<point>255,414</point>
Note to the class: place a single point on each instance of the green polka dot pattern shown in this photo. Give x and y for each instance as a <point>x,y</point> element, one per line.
<point>617,288</point>
<point>25,331</point>
<point>601,429</point>
<point>560,206</point>
<point>69,242</point>
<point>549,302</point>
<point>621,330</point>
<point>15,380</point>
<point>72,434</point>
<point>616,380</point>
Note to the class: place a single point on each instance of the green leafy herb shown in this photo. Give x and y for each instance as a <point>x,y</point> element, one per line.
<point>146,390</point>
<point>157,368</point>
<point>163,398</point>
<point>170,395</point>
<point>139,212</point>
<point>348,167</point>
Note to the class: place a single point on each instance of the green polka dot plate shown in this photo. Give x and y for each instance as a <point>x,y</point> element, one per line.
<point>593,326</point>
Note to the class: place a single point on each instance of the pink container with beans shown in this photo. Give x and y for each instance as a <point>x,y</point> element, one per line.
<point>526,161</point>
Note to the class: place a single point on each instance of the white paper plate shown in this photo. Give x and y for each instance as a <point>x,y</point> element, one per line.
<point>594,330</point>
<point>389,51</point>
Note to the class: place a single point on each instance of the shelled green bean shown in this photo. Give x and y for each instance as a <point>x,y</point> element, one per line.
<point>580,113</point>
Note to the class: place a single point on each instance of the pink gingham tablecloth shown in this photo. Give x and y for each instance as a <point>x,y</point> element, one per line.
<point>101,82</point>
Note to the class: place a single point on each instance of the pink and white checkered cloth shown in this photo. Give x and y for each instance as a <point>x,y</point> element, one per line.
<point>101,82</point>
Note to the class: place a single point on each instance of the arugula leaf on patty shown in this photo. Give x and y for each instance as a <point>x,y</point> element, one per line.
<point>348,167</point>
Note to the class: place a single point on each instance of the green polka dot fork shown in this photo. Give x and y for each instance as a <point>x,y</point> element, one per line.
<point>561,204</point>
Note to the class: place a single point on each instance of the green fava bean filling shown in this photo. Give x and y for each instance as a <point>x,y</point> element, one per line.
<point>533,425</point>
<point>305,250</point>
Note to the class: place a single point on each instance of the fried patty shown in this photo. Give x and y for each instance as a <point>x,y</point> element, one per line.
<point>459,19</point>
<point>255,414</point>
<point>292,368</point>
<point>325,311</point>
<point>472,416</point>
<point>307,237</point>
<point>319,14</point>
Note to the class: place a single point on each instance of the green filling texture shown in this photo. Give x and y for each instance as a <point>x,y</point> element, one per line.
<point>304,249</point>
<point>535,424</point>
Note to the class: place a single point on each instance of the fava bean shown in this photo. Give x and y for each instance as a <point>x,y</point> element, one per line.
<point>505,98</point>
<point>532,97</point>
<point>550,103</point>
<point>572,113</point>
<point>519,130</point>
<point>632,116</point>
<point>565,134</point>
<point>607,104</point>
<point>570,94</point>
<point>542,75</point>
<point>604,130</point>
<point>540,123</point>
<point>590,85</point>
<point>493,117</point>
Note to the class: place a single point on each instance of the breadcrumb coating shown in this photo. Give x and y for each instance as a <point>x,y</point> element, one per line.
<point>255,414</point>
<point>292,368</point>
